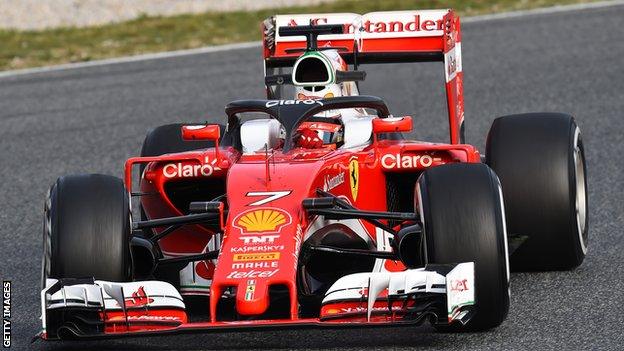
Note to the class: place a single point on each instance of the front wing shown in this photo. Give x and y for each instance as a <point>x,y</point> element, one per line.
<point>87,308</point>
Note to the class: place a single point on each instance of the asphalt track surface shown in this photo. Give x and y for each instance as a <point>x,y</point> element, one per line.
<point>92,119</point>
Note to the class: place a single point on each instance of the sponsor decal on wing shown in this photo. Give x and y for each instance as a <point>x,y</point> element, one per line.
<point>138,299</point>
<point>394,24</point>
<point>460,290</point>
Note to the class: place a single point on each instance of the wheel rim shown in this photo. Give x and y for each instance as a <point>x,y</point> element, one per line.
<point>581,193</point>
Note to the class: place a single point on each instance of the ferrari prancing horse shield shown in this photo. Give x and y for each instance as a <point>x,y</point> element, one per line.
<point>354,177</point>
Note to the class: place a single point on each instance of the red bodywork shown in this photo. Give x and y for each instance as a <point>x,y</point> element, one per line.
<point>286,179</point>
<point>299,172</point>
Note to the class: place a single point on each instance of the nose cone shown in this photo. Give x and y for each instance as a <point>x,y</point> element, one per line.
<point>260,251</point>
<point>263,234</point>
<point>252,297</point>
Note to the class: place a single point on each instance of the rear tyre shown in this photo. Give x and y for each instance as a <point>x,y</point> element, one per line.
<point>463,221</point>
<point>540,160</point>
<point>86,229</point>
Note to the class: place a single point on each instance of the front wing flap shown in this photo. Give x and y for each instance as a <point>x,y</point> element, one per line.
<point>87,308</point>
<point>445,293</point>
<point>75,307</point>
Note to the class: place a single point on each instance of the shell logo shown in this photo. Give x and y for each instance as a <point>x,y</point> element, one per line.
<point>262,220</point>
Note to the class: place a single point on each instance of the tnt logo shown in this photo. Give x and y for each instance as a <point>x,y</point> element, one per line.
<point>262,239</point>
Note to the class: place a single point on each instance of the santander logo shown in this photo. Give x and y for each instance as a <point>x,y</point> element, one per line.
<point>414,23</point>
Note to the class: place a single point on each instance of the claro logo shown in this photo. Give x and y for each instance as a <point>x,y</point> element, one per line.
<point>180,170</point>
<point>398,161</point>
<point>272,103</point>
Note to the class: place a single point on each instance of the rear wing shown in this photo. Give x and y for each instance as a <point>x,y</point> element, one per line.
<point>380,37</point>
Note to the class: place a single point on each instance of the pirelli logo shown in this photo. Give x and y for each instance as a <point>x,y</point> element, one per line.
<point>259,256</point>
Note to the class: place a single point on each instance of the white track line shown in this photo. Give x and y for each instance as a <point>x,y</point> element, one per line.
<point>126,59</point>
<point>254,44</point>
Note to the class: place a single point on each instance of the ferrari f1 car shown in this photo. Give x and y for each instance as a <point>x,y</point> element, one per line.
<point>316,211</point>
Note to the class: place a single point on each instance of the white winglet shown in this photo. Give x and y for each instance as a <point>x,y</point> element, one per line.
<point>377,283</point>
<point>116,292</point>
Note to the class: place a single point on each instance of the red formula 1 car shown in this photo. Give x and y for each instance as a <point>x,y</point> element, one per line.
<point>316,211</point>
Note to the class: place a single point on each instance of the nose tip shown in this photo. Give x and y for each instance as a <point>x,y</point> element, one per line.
<point>252,297</point>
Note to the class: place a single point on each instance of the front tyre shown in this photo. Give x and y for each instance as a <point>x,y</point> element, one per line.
<point>462,213</point>
<point>86,229</point>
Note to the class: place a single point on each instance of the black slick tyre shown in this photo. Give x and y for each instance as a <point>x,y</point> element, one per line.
<point>86,229</point>
<point>463,220</point>
<point>540,160</point>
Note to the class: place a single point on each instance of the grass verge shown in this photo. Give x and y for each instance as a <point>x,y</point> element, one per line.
<point>22,49</point>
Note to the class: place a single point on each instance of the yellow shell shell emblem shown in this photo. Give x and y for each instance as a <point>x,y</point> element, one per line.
<point>262,220</point>
<point>354,178</point>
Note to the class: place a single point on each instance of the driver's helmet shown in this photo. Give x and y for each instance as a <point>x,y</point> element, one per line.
<point>324,129</point>
<point>318,92</point>
<point>326,126</point>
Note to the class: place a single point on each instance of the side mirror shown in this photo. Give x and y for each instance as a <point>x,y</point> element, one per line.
<point>392,124</point>
<point>201,132</point>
